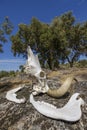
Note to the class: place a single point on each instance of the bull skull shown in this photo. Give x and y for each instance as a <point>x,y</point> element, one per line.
<point>33,67</point>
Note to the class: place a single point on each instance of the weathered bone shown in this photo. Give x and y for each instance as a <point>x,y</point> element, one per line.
<point>70,112</point>
<point>55,92</point>
<point>11,95</point>
<point>33,65</point>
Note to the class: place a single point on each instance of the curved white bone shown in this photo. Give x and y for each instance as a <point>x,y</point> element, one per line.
<point>70,112</point>
<point>33,65</point>
<point>11,95</point>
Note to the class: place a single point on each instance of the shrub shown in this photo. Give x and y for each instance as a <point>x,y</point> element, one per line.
<point>7,74</point>
<point>82,63</point>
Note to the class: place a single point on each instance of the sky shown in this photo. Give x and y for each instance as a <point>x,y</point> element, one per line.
<point>22,11</point>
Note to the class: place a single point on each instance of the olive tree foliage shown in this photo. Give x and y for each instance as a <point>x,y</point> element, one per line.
<point>6,28</point>
<point>26,35</point>
<point>71,38</point>
<point>61,40</point>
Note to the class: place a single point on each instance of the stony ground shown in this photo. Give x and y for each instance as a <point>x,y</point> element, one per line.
<point>15,116</point>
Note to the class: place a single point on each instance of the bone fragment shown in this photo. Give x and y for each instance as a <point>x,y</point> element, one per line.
<point>11,95</point>
<point>33,65</point>
<point>70,112</point>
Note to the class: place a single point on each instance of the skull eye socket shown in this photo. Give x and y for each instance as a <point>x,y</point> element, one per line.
<point>42,74</point>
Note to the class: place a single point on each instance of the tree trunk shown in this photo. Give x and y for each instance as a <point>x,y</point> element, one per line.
<point>71,64</point>
<point>50,63</point>
<point>50,60</point>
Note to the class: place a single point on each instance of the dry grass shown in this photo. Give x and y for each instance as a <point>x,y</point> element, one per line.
<point>79,73</point>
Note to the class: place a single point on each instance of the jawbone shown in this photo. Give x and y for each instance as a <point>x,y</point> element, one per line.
<point>11,95</point>
<point>70,112</point>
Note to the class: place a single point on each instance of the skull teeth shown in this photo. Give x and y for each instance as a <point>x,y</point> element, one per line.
<point>70,112</point>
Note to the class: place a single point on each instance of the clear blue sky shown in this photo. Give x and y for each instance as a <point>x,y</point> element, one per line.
<point>22,11</point>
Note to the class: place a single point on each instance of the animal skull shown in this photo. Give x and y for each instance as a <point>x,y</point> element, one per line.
<point>33,67</point>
